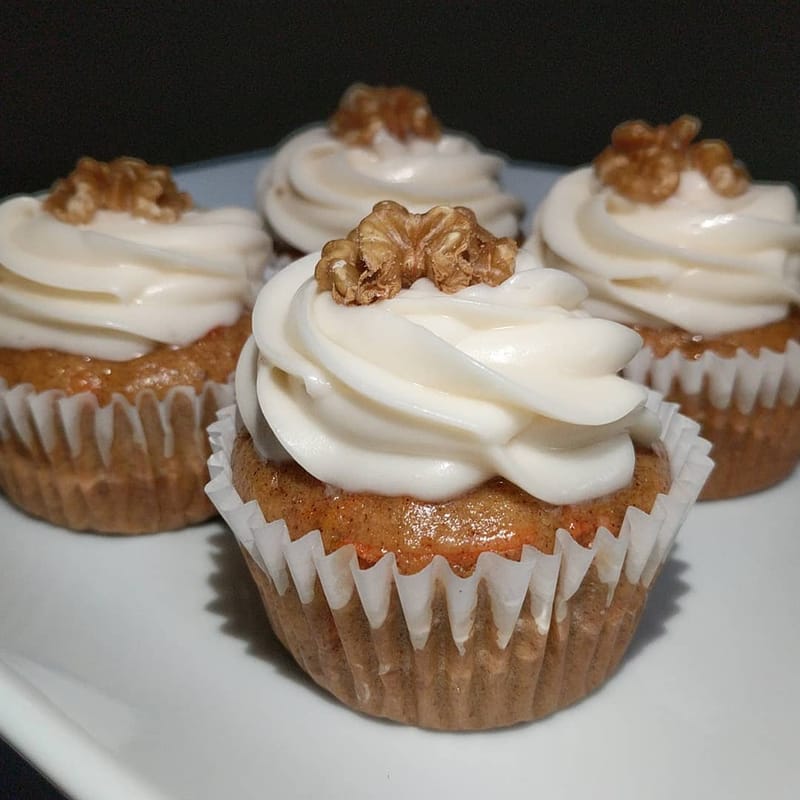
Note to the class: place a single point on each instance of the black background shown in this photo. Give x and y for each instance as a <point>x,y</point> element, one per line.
<point>19,781</point>
<point>180,82</point>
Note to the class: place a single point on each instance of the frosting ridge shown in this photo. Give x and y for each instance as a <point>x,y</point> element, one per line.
<point>697,260</point>
<point>430,394</point>
<point>118,286</point>
<point>317,187</point>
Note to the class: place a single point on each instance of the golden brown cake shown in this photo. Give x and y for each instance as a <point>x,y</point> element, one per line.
<point>672,238</point>
<point>753,449</point>
<point>210,358</point>
<point>452,505</point>
<point>494,517</point>
<point>122,314</point>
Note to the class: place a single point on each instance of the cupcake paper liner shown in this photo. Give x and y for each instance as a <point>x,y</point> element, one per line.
<point>126,467</point>
<point>514,641</point>
<point>747,406</point>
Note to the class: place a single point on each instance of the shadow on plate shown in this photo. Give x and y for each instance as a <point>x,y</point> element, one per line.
<point>243,617</point>
<point>662,604</point>
<point>239,605</point>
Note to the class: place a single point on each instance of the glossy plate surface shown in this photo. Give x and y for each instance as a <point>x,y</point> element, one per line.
<point>143,668</point>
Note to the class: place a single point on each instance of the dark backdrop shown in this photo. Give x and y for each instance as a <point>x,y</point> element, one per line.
<point>179,82</point>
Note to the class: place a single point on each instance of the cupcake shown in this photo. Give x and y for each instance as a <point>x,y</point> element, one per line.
<point>673,239</point>
<point>380,144</point>
<point>122,313</point>
<point>452,505</point>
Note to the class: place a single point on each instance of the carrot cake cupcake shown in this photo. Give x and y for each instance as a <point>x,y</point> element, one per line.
<point>451,503</point>
<point>382,143</point>
<point>122,312</point>
<point>672,238</point>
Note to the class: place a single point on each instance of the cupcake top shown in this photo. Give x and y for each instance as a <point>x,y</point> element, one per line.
<point>382,143</point>
<point>668,232</point>
<point>115,261</point>
<point>423,356</point>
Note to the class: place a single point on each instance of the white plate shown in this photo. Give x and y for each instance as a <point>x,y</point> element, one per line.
<point>143,668</point>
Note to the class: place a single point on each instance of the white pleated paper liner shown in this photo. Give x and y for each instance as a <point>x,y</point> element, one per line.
<point>550,580</point>
<point>743,380</point>
<point>40,418</point>
<point>71,460</point>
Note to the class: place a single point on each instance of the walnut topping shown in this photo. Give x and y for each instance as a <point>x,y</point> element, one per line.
<point>391,248</point>
<point>365,110</point>
<point>644,163</point>
<point>124,184</point>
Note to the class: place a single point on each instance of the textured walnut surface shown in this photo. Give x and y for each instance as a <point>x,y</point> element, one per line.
<point>391,248</point>
<point>124,184</point>
<point>496,516</point>
<point>644,163</point>
<point>364,111</point>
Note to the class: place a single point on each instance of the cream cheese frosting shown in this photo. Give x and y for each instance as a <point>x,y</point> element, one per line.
<point>430,394</point>
<point>318,188</point>
<point>118,286</point>
<point>699,261</point>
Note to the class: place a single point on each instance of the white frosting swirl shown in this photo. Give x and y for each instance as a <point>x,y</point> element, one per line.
<point>705,263</point>
<point>430,394</point>
<point>118,286</point>
<point>318,188</point>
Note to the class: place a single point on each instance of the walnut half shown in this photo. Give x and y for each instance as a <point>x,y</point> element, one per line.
<point>644,163</point>
<point>391,248</point>
<point>124,184</point>
<point>366,110</point>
